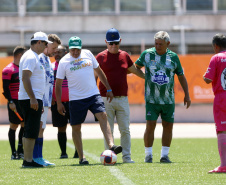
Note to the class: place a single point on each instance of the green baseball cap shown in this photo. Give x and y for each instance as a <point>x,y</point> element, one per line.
<point>75,42</point>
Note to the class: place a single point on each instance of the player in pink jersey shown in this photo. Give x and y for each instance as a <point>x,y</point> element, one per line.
<point>10,78</point>
<point>216,74</point>
<point>59,120</point>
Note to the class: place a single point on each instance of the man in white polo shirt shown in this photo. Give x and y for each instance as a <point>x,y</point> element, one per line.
<point>31,91</point>
<point>78,66</point>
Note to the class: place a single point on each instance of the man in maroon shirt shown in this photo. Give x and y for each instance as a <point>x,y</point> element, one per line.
<point>116,64</point>
<point>10,79</point>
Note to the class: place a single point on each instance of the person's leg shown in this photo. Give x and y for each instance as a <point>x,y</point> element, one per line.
<point>123,120</point>
<point>105,128</point>
<point>167,135</point>
<point>110,117</point>
<point>28,148</point>
<point>62,140</point>
<point>149,139</point>
<point>12,140</point>
<point>221,137</point>
<point>77,139</point>
<point>20,150</point>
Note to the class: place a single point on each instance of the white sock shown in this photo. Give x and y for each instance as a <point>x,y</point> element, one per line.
<point>148,151</point>
<point>165,151</point>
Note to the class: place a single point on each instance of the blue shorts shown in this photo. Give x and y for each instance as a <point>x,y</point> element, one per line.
<point>79,108</point>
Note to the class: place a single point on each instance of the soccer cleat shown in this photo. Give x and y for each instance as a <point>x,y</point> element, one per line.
<point>148,159</point>
<point>116,149</point>
<point>20,156</point>
<point>14,156</point>
<point>218,169</point>
<point>32,164</point>
<point>83,161</point>
<point>76,154</point>
<point>165,159</point>
<point>63,156</point>
<point>127,160</point>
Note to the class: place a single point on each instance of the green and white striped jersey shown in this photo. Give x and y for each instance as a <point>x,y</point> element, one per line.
<point>159,75</point>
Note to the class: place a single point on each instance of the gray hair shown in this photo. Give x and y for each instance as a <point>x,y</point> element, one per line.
<point>163,35</point>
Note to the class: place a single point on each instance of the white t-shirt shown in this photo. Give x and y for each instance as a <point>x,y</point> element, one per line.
<point>80,74</point>
<point>30,61</point>
<point>49,80</point>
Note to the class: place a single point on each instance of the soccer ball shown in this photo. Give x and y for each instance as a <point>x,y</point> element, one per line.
<point>108,158</point>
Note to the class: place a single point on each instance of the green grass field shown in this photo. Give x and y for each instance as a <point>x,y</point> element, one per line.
<point>192,159</point>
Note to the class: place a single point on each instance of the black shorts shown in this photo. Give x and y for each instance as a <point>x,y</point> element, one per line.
<point>32,118</point>
<point>12,116</point>
<point>59,120</point>
<point>79,108</point>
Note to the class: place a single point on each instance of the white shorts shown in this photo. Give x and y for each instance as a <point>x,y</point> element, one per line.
<point>44,117</point>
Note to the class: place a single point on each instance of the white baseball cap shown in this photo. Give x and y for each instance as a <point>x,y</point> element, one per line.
<point>41,36</point>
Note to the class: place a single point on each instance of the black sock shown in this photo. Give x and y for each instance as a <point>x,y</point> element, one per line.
<point>62,140</point>
<point>11,136</point>
<point>20,143</point>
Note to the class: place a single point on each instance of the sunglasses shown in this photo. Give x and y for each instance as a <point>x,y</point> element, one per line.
<point>111,43</point>
<point>46,43</point>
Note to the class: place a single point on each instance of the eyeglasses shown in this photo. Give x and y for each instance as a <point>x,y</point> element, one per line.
<point>111,43</point>
<point>46,43</point>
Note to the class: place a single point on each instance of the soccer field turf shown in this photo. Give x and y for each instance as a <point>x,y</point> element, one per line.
<point>192,159</point>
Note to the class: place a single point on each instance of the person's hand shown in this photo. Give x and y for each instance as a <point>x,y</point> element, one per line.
<point>109,96</point>
<point>12,106</point>
<point>34,104</point>
<point>61,109</point>
<point>187,101</point>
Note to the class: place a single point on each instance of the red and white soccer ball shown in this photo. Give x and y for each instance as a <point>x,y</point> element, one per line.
<point>108,158</point>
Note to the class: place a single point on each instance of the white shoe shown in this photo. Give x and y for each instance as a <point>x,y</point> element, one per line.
<point>128,160</point>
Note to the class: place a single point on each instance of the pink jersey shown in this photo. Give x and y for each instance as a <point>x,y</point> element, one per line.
<point>217,72</point>
<point>65,92</point>
<point>11,72</point>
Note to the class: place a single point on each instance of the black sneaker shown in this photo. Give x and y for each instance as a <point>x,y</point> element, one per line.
<point>83,161</point>
<point>63,156</point>
<point>116,149</point>
<point>31,164</point>
<point>14,156</point>
<point>165,159</point>
<point>76,154</point>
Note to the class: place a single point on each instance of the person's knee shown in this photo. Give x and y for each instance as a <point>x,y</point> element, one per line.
<point>62,129</point>
<point>13,126</point>
<point>101,116</point>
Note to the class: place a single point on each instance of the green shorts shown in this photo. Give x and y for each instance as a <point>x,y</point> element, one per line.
<point>166,111</point>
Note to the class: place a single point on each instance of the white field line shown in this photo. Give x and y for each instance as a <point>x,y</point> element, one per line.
<point>113,169</point>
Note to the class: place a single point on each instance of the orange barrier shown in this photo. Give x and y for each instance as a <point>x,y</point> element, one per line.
<point>194,67</point>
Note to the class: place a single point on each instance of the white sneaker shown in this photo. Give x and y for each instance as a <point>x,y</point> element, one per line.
<point>128,160</point>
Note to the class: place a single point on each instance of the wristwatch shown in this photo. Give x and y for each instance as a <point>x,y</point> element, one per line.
<point>11,101</point>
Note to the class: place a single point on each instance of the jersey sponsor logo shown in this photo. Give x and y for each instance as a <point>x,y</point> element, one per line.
<point>223,122</point>
<point>160,78</point>
<point>223,60</point>
<point>207,71</point>
<point>79,65</point>
<point>223,79</point>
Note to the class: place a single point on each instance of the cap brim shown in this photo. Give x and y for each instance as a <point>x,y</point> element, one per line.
<point>114,40</point>
<point>77,47</point>
<point>50,42</point>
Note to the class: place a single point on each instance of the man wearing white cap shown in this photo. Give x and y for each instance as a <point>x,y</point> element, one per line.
<point>31,91</point>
